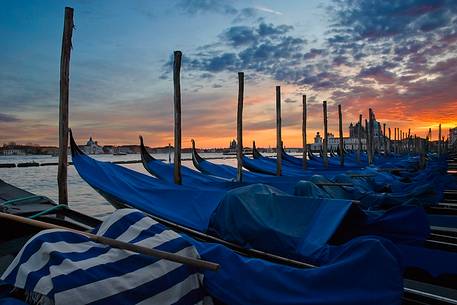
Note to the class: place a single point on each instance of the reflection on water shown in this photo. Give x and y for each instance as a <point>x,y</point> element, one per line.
<point>42,180</point>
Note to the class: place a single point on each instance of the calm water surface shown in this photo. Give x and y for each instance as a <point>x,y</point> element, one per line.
<point>42,180</point>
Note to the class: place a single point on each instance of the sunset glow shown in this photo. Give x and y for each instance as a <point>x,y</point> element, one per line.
<point>397,58</point>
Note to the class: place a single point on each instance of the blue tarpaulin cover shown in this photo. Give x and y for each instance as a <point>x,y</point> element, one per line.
<point>67,268</point>
<point>195,208</point>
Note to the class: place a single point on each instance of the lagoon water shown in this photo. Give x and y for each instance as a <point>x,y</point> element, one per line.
<point>42,180</point>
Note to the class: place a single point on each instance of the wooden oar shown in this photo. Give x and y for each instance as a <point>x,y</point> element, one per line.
<point>117,244</point>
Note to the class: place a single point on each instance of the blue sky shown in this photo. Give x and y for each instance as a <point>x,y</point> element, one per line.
<point>394,56</point>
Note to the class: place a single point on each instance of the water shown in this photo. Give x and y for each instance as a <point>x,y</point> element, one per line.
<point>42,180</point>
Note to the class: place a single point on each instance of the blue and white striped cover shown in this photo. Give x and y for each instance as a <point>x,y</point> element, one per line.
<point>66,268</point>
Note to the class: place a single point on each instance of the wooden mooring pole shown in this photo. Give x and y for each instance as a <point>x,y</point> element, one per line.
<point>63,105</point>
<point>239,128</point>
<point>325,142</point>
<point>379,144</point>
<point>303,131</point>
<point>395,139</point>
<point>390,141</point>
<point>340,121</point>
<point>359,135</point>
<point>439,139</point>
<point>371,127</point>
<point>409,139</point>
<point>169,153</point>
<point>367,142</point>
<point>177,112</point>
<point>384,138</point>
<point>278,132</point>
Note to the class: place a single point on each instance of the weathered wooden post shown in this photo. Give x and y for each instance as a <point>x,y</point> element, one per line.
<point>402,138</point>
<point>169,153</point>
<point>278,132</point>
<point>63,105</point>
<point>409,138</point>
<point>239,128</point>
<point>429,143</point>
<point>379,144</point>
<point>305,146</point>
<point>177,111</point>
<point>324,107</point>
<point>371,127</point>
<point>367,136</point>
<point>422,154</point>
<point>384,138</point>
<point>390,141</point>
<point>359,135</point>
<point>395,139</point>
<point>439,139</point>
<point>340,119</point>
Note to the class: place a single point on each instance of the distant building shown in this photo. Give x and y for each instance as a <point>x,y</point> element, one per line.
<point>92,147</point>
<point>351,142</point>
<point>232,145</point>
<point>333,143</point>
<point>12,151</point>
<point>354,131</point>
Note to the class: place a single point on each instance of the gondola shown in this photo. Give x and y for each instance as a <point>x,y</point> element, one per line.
<point>101,175</point>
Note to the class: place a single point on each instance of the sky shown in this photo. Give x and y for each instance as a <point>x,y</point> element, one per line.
<point>397,57</point>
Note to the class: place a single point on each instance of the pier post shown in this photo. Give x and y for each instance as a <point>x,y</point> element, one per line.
<point>177,112</point>
<point>409,139</point>
<point>367,143</point>
<point>278,132</point>
<point>390,142</point>
<point>384,138</point>
<point>371,127</point>
<point>340,121</point>
<point>63,105</point>
<point>305,147</point>
<point>439,140</point>
<point>398,140</point>
<point>379,146</point>
<point>325,142</point>
<point>169,153</point>
<point>395,138</point>
<point>359,135</point>
<point>239,129</point>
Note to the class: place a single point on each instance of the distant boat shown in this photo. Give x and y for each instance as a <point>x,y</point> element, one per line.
<point>28,164</point>
<point>232,152</point>
<point>119,154</point>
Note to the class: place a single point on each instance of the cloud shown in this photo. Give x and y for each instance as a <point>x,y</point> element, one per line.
<point>193,7</point>
<point>239,36</point>
<point>378,73</point>
<point>289,100</point>
<point>224,7</point>
<point>268,10</point>
<point>262,48</point>
<point>8,118</point>
<point>394,55</point>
